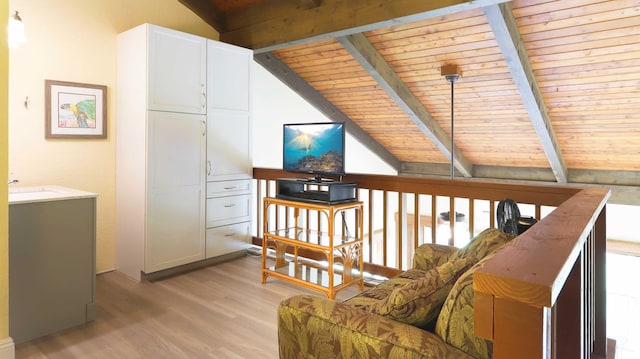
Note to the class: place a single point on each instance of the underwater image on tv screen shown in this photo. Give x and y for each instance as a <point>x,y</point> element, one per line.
<point>314,148</point>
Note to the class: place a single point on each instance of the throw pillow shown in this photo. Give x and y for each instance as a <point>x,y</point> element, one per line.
<point>369,298</point>
<point>455,321</point>
<point>419,301</point>
<point>486,242</point>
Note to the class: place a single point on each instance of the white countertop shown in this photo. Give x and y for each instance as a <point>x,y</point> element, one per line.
<point>31,194</point>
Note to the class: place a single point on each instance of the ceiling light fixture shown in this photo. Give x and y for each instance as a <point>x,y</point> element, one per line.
<point>451,74</point>
<point>15,31</point>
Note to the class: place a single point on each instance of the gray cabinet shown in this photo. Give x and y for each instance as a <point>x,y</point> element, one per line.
<point>51,266</point>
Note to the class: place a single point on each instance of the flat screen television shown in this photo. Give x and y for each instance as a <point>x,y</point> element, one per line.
<point>314,148</point>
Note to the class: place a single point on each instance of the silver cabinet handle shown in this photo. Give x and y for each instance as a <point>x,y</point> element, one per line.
<point>204,97</point>
<point>230,188</point>
<point>208,167</point>
<point>229,205</point>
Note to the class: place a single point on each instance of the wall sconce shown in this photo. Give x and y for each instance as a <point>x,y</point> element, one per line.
<point>15,31</point>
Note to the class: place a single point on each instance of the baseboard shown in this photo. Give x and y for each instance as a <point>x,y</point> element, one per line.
<point>7,348</point>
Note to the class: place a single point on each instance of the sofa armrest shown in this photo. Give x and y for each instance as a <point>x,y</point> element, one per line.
<point>430,255</point>
<point>315,327</point>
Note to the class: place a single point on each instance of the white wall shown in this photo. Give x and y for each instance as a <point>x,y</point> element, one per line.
<point>275,104</point>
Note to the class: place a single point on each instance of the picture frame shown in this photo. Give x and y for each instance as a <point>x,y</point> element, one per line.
<point>75,110</point>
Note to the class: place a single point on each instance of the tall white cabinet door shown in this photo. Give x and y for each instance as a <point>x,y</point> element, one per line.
<point>228,145</point>
<point>177,71</point>
<point>228,76</point>
<point>176,189</point>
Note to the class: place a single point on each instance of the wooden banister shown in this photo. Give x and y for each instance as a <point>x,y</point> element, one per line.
<point>518,289</point>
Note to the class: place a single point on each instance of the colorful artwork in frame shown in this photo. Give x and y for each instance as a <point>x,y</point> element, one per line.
<point>75,110</point>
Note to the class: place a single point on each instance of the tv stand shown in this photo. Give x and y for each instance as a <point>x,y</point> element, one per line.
<point>317,178</point>
<point>310,191</point>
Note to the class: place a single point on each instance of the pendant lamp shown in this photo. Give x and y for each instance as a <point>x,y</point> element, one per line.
<point>451,74</point>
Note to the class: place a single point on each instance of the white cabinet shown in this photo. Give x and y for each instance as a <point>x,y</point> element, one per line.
<point>227,239</point>
<point>228,210</point>
<point>160,155</point>
<point>229,164</point>
<point>228,145</point>
<point>228,76</point>
<point>183,118</point>
<point>177,71</point>
<point>175,190</point>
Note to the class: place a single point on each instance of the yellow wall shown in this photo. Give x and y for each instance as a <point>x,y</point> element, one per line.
<point>4,209</point>
<point>75,40</point>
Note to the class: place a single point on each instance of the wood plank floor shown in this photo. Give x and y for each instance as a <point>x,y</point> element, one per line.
<point>222,311</point>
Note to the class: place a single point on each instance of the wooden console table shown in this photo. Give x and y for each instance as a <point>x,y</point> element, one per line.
<point>318,230</point>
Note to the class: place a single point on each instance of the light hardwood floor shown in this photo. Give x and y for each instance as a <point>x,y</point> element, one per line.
<point>222,311</point>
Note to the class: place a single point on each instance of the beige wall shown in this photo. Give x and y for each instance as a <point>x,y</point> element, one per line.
<point>75,40</point>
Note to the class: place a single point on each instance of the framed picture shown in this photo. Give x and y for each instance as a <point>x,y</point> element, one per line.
<point>75,110</point>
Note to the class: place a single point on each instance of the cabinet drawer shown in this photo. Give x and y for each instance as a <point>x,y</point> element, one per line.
<point>226,210</point>
<point>228,239</point>
<point>226,188</point>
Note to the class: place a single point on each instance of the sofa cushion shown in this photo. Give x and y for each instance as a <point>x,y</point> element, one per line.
<point>418,302</point>
<point>370,297</point>
<point>485,243</point>
<point>455,321</point>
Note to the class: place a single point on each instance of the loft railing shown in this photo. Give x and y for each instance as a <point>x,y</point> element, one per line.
<point>402,213</point>
<point>542,297</point>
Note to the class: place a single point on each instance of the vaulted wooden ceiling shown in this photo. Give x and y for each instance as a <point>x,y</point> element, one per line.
<point>549,90</point>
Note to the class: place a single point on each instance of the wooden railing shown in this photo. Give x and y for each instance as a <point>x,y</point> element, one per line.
<point>543,296</point>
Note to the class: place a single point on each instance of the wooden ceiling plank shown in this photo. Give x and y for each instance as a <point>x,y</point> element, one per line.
<point>281,71</point>
<point>370,59</point>
<point>310,4</point>
<point>208,12</point>
<point>502,21</point>
<point>281,25</point>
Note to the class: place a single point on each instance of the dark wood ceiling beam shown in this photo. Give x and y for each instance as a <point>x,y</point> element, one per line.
<point>279,23</point>
<point>506,31</point>
<point>281,71</point>
<point>372,61</point>
<point>208,12</point>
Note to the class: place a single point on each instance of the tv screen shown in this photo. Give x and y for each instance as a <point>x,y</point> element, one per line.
<point>314,148</point>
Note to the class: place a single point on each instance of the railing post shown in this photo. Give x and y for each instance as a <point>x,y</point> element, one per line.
<point>600,287</point>
<point>569,315</point>
<point>521,330</point>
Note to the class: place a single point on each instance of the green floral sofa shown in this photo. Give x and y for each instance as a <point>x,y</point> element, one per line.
<point>425,312</point>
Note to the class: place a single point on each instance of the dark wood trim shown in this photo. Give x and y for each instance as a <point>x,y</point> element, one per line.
<point>279,23</point>
<point>208,12</point>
